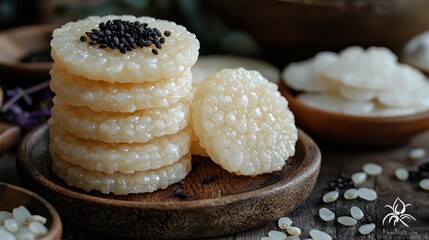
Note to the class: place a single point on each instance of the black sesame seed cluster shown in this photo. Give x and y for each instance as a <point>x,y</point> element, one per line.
<point>341,183</point>
<point>421,173</point>
<point>125,36</point>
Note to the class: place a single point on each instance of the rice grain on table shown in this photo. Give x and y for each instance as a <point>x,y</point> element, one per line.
<point>367,228</point>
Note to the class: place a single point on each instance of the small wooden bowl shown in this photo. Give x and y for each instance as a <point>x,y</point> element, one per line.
<point>355,130</point>
<point>18,42</point>
<point>9,134</point>
<point>227,205</point>
<point>12,196</point>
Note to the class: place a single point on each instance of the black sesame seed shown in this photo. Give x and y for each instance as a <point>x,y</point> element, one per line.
<point>179,193</point>
<point>210,179</point>
<point>115,41</point>
<point>342,182</point>
<point>93,36</point>
<point>125,36</point>
<point>158,33</point>
<point>157,44</point>
<point>102,26</point>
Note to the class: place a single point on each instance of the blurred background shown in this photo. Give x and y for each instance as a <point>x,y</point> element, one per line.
<point>277,31</point>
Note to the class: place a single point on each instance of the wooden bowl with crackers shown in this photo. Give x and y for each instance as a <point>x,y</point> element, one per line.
<point>351,130</point>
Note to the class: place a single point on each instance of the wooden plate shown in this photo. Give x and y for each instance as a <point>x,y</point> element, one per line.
<point>12,197</point>
<point>227,205</point>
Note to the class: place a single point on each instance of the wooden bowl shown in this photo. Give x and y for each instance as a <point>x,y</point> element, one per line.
<point>355,130</point>
<point>227,205</point>
<point>18,42</point>
<point>12,197</point>
<point>9,134</point>
<point>293,30</point>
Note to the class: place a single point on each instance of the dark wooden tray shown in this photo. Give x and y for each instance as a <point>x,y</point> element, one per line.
<point>229,204</point>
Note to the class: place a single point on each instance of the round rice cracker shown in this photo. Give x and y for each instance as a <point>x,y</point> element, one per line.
<point>209,64</point>
<point>114,127</point>
<point>243,122</point>
<point>334,102</point>
<point>126,158</point>
<point>178,53</point>
<point>306,76</point>
<point>119,97</point>
<point>368,69</point>
<point>119,183</point>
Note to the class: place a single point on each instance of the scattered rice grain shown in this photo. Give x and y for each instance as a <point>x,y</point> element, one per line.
<point>367,194</point>
<point>359,177</point>
<point>402,174</point>
<point>284,222</point>
<point>326,214</point>
<point>319,235</point>
<point>294,231</point>
<point>347,221</point>
<point>372,169</point>
<point>356,213</point>
<point>331,196</point>
<point>424,183</point>
<point>367,228</point>
<point>273,234</point>
<point>351,194</point>
<point>417,153</point>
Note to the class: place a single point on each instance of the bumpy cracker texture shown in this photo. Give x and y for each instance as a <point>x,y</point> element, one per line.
<point>122,184</point>
<point>119,97</point>
<point>140,126</point>
<point>243,122</point>
<point>122,157</point>
<point>179,52</point>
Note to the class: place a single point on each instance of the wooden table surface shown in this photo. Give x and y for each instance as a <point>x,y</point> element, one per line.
<point>335,160</point>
